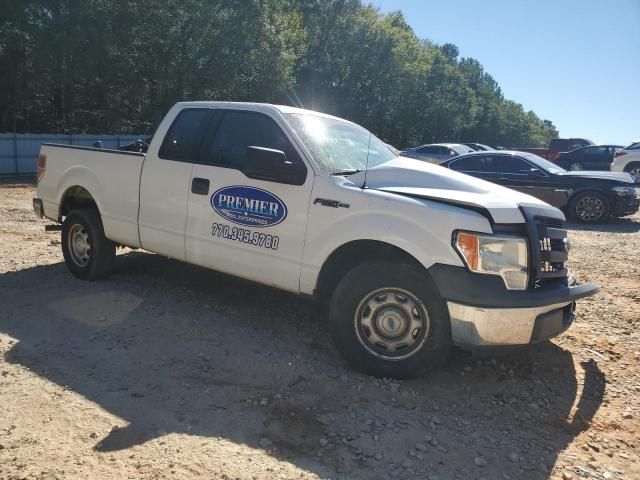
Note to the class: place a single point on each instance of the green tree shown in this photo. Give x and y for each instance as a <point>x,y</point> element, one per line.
<point>112,66</point>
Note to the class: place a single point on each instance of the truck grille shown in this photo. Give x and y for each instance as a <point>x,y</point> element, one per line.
<point>549,250</point>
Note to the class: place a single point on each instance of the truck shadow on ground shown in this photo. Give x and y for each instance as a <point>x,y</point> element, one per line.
<point>170,347</point>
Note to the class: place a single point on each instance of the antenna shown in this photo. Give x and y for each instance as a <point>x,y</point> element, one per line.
<point>366,168</point>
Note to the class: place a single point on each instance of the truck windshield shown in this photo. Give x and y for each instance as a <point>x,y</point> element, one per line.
<point>337,145</point>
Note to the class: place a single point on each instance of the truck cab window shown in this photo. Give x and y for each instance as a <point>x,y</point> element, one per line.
<point>183,139</point>
<point>240,130</point>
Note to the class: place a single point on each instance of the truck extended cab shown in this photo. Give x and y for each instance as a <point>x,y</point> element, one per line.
<point>410,256</point>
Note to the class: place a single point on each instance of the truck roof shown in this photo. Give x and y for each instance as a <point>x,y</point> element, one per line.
<point>259,107</point>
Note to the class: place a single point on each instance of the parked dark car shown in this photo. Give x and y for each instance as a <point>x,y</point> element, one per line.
<point>593,157</point>
<point>479,147</point>
<point>589,197</point>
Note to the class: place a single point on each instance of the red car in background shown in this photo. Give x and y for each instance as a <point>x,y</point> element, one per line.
<point>557,146</point>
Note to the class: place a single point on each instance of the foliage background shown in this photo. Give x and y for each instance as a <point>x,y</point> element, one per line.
<point>111,66</point>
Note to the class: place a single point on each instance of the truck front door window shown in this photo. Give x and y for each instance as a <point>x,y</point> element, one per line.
<point>240,130</point>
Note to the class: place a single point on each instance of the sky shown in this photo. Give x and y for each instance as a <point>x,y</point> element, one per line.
<point>574,62</point>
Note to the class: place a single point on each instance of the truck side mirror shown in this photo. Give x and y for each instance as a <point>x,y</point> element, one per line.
<point>272,165</point>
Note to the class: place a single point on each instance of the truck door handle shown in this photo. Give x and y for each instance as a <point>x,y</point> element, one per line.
<point>200,186</point>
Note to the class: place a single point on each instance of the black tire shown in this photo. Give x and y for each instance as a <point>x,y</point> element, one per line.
<point>430,347</point>
<point>99,258</point>
<point>590,207</point>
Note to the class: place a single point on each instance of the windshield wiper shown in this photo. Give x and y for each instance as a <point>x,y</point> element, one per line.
<point>345,173</point>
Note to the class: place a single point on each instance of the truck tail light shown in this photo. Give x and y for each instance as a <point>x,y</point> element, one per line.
<point>619,153</point>
<point>42,166</point>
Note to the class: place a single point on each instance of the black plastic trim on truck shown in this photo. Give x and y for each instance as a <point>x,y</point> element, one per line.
<point>94,149</point>
<point>547,252</point>
<point>459,285</point>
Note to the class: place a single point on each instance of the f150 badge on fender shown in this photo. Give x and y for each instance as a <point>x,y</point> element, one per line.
<point>248,206</point>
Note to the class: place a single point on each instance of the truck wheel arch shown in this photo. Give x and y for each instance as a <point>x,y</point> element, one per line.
<point>74,198</point>
<point>349,255</point>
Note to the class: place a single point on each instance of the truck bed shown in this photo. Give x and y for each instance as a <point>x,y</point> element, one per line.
<point>112,178</point>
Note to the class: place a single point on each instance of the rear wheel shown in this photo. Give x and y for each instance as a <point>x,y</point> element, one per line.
<point>88,254</point>
<point>590,207</point>
<point>388,320</point>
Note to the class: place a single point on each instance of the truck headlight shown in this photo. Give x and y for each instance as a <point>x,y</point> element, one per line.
<point>501,255</point>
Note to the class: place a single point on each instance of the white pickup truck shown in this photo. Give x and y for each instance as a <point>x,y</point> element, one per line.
<point>411,257</point>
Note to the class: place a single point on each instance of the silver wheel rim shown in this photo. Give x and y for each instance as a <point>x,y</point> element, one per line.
<point>590,208</point>
<point>575,167</point>
<point>79,246</point>
<point>391,323</point>
<point>635,173</point>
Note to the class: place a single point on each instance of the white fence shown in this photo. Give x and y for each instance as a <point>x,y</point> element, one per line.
<point>19,152</point>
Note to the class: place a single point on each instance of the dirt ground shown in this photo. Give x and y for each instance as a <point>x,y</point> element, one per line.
<point>165,370</point>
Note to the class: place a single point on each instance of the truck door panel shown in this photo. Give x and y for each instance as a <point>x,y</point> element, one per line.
<point>251,228</point>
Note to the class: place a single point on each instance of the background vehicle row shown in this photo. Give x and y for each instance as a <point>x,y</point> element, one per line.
<point>628,160</point>
<point>588,197</point>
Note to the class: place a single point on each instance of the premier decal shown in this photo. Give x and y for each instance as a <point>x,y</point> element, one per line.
<point>249,206</point>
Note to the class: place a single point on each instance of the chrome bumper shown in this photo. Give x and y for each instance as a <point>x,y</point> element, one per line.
<point>481,327</point>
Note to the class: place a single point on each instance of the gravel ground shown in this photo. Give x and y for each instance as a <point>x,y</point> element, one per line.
<point>166,370</point>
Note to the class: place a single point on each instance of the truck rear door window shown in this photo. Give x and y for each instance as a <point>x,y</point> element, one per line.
<point>240,130</point>
<point>183,139</point>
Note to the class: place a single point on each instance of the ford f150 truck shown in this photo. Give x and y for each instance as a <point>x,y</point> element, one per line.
<point>412,258</point>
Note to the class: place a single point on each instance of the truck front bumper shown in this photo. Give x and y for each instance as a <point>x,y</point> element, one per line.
<point>482,327</point>
<point>483,313</point>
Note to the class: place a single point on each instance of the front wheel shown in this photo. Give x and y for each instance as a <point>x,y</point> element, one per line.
<point>388,320</point>
<point>88,254</point>
<point>590,207</point>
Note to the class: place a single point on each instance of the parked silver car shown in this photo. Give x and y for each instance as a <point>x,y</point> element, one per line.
<point>436,152</point>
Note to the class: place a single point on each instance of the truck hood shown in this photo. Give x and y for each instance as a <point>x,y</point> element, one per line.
<point>409,177</point>
<point>615,176</point>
